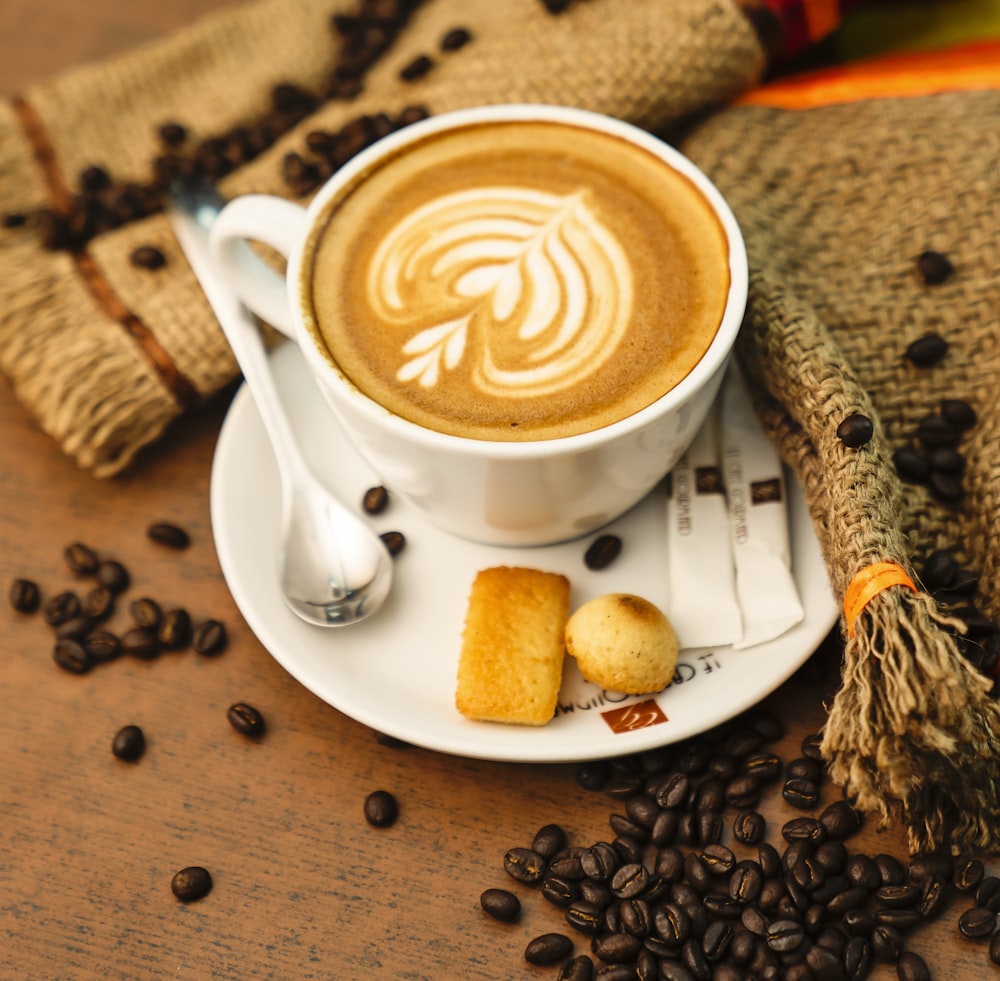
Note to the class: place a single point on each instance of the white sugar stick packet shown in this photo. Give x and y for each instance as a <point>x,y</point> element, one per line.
<point>702,607</point>
<point>758,519</point>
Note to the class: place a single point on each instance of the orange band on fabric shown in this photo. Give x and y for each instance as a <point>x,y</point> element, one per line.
<point>963,68</point>
<point>868,583</point>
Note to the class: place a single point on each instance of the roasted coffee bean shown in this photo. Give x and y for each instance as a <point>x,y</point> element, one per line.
<point>746,882</point>
<point>857,958</point>
<point>602,551</point>
<point>62,607</point>
<point>803,794</point>
<point>642,811</point>
<point>946,487</point>
<point>25,596</point>
<point>995,948</point>
<point>72,656</point>
<point>673,792</point>
<point>664,830</point>
<point>174,631</point>
<point>831,856</point>
<point>946,459</point>
<point>501,904</point>
<point>394,541</point>
<point>636,917</point>
<point>749,827</point>
<point>617,948</point>
<point>102,645</point>
<point>98,604</point>
<point>841,820</point>
<point>886,943</point>
<point>805,829</point>
<point>81,559</point>
<point>904,896</point>
<point>933,898</point>
<point>168,534</point>
<point>375,500</point>
<point>381,809</point>
<point>568,863</point>
<point>669,864</point>
<point>968,875</point>
<point>129,743</point>
<point>457,37</point>
<point>549,840</point>
<point>753,920</point>
<point>959,413</point>
<point>191,883</point>
<point>600,861</point>
<point>586,917</point>
<point>694,759</point>
<point>593,775</point>
<point>558,891</point>
<point>769,860</point>
<point>579,968</point>
<point>912,967</point>
<point>416,68</point>
<point>743,792</point>
<point>75,629</point>
<point>209,638</point>
<point>112,575</point>
<point>524,865</point>
<point>823,964</point>
<point>140,642</point>
<point>977,923</point>
<point>855,431</point>
<point>890,869</point>
<point>927,350</point>
<point>862,871</point>
<point>246,719</point>
<point>934,432</point>
<point>858,922</point>
<point>718,859</point>
<point>146,613</point>
<point>784,935</point>
<point>934,267</point>
<point>147,257</point>
<point>694,959</point>
<point>630,880</point>
<point>672,923</point>
<point>675,971</point>
<point>912,465</point>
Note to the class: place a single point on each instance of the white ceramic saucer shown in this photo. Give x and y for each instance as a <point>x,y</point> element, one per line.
<point>396,672</point>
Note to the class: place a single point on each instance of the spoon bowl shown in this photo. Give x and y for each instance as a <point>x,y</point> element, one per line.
<point>333,570</point>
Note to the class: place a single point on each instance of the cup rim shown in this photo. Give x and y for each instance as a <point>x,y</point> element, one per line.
<point>711,361</point>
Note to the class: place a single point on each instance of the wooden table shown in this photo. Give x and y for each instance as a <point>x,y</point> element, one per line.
<point>303,886</point>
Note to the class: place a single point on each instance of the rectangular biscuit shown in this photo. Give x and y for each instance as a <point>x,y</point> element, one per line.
<point>510,666</point>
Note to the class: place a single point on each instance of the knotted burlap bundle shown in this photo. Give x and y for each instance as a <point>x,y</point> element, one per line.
<point>106,354</point>
<point>837,202</point>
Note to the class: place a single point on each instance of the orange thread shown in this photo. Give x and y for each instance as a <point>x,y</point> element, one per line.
<point>868,583</point>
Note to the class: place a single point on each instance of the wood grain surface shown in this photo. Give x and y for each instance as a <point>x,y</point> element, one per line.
<point>303,886</point>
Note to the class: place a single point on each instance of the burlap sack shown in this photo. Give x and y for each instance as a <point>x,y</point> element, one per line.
<point>106,354</point>
<point>836,202</point>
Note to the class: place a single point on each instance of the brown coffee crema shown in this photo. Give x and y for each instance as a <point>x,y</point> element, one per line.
<point>517,280</point>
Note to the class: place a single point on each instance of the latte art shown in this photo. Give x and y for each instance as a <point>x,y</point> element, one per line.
<point>516,280</point>
<point>531,282</point>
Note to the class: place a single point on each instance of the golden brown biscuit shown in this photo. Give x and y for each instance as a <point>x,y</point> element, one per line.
<point>623,643</point>
<point>510,666</point>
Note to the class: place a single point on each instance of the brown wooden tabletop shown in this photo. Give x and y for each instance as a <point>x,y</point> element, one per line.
<point>304,887</point>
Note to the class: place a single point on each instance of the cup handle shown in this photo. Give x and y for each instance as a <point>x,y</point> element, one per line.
<point>274,222</point>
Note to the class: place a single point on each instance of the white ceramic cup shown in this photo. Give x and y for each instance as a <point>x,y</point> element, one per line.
<point>501,493</point>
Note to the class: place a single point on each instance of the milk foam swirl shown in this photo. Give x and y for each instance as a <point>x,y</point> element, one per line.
<point>531,286</point>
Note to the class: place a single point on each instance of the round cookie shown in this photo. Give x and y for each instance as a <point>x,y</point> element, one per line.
<point>623,643</point>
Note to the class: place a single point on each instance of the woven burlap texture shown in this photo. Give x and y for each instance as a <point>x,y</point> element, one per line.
<point>836,203</point>
<point>96,370</point>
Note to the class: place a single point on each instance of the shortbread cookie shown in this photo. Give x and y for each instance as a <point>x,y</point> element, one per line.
<point>623,643</point>
<point>510,666</point>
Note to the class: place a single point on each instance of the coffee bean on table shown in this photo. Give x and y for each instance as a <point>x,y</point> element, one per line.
<point>169,535</point>
<point>102,646</point>
<point>146,613</point>
<point>81,559</point>
<point>25,595</point>
<point>548,949</point>
<point>501,904</point>
<point>381,809</point>
<point>98,604</point>
<point>579,968</point>
<point>72,656</point>
<point>246,719</point>
<point>191,883</point>
<point>602,551</point>
<point>977,923</point>
<point>855,431</point>
<point>62,607</point>
<point>457,37</point>
<point>968,874</point>
<point>140,642</point>
<point>417,68</point>
<point>174,631</point>
<point>209,638</point>
<point>799,793</point>
<point>76,629</point>
<point>375,500</point>
<point>129,743</point>
<point>112,575</point>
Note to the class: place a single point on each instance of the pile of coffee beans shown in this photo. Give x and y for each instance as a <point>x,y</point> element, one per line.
<point>693,884</point>
<point>78,618</point>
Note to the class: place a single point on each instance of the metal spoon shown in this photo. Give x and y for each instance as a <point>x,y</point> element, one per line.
<point>333,569</point>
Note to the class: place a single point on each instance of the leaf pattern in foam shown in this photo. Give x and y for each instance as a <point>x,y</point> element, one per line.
<point>536,279</point>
